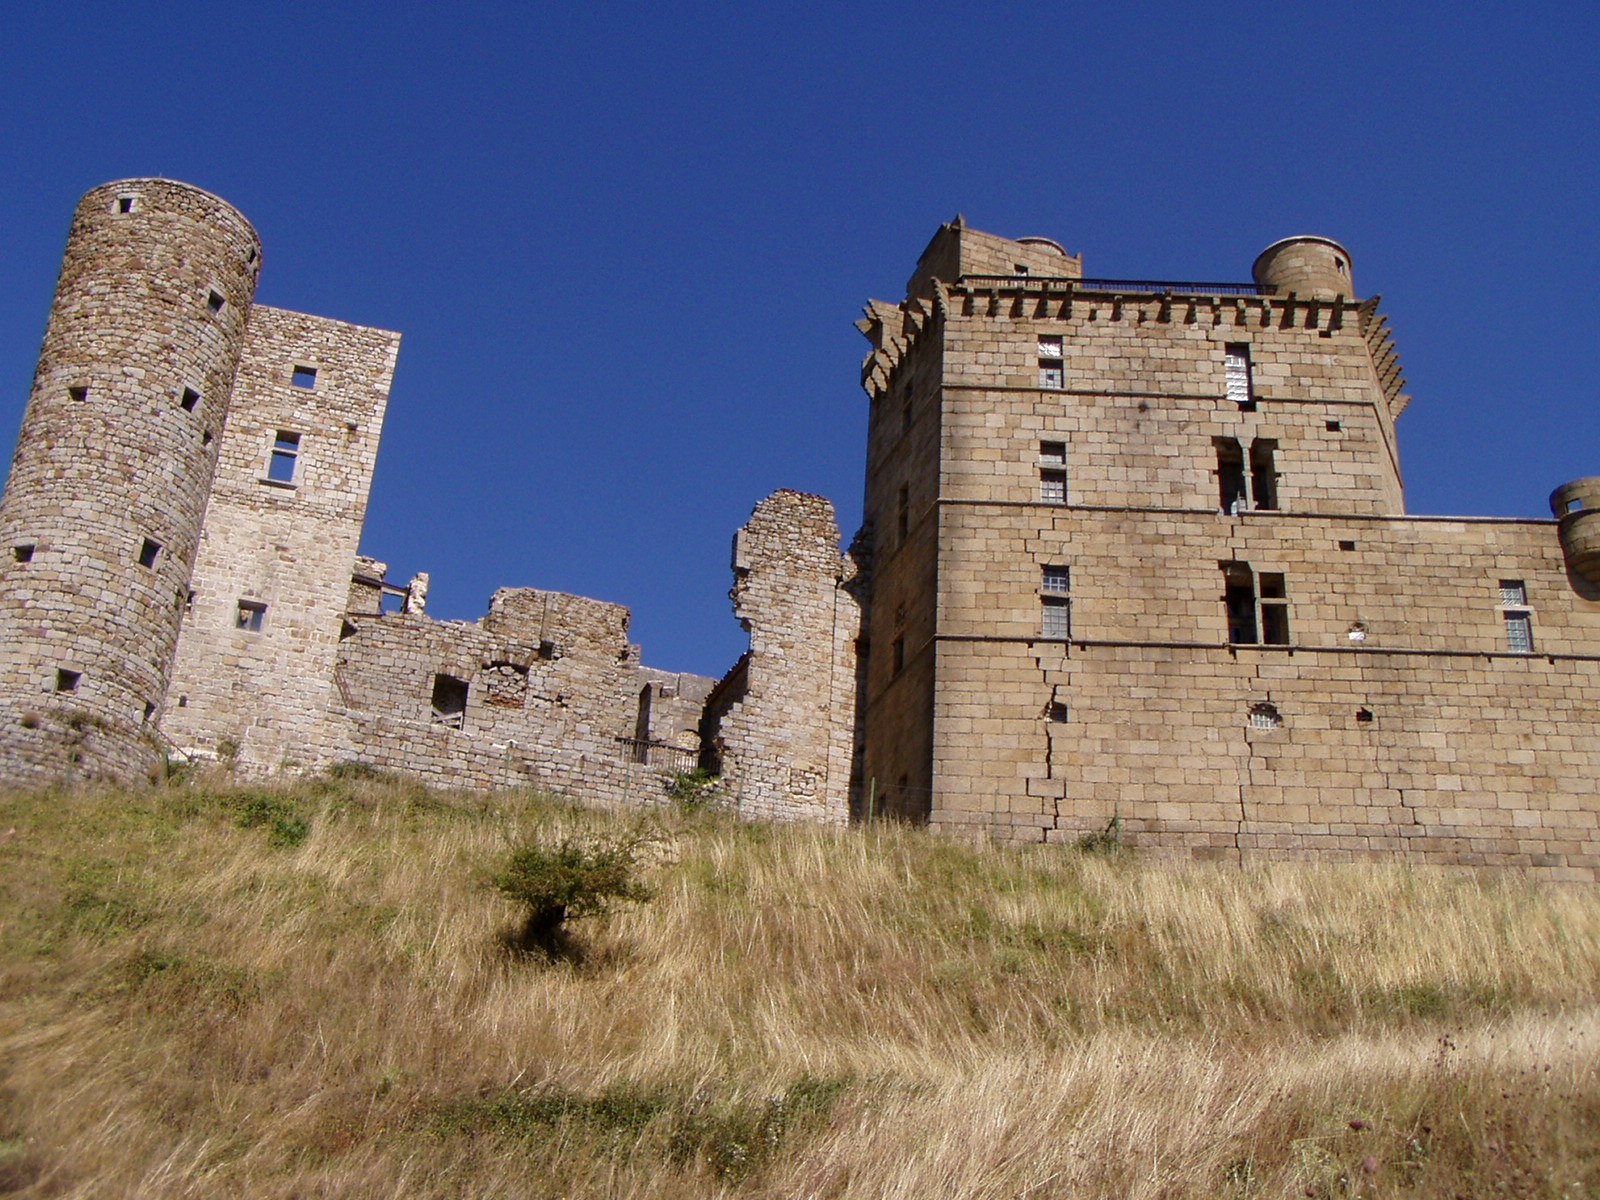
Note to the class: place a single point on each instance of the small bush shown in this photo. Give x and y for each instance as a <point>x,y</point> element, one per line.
<point>694,790</point>
<point>572,879</point>
<point>1107,841</point>
<point>277,814</point>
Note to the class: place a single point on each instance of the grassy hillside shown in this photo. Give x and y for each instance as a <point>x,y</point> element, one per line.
<point>215,991</point>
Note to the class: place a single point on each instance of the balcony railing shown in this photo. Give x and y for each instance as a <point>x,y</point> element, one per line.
<point>657,754</point>
<point>1155,287</point>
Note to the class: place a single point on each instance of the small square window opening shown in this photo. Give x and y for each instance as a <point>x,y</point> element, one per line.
<point>148,553</point>
<point>23,553</point>
<point>124,204</point>
<point>252,615</point>
<point>1053,454</point>
<point>304,377</point>
<point>78,393</point>
<point>1575,504</point>
<point>214,302</point>
<point>189,399</point>
<point>1334,426</point>
<point>1053,487</point>
<point>67,681</point>
<point>1057,712</point>
<point>449,701</point>
<point>1347,545</point>
<point>1055,581</point>
<point>1513,592</point>
<point>284,464</point>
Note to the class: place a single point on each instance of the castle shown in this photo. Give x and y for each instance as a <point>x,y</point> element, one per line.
<point>1135,553</point>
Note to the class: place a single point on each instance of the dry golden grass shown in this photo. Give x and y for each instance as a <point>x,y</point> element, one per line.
<point>196,1002</point>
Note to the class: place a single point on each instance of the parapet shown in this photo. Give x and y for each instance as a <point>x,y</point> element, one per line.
<point>1316,267</point>
<point>1577,507</point>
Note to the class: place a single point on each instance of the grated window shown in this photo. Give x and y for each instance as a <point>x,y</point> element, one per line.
<point>1241,389</point>
<point>1513,592</point>
<point>1265,716</point>
<point>1053,487</point>
<point>1057,618</point>
<point>1055,581</point>
<point>1519,633</point>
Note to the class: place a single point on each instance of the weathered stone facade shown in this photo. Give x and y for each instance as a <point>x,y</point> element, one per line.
<point>1134,554</point>
<point>1141,554</point>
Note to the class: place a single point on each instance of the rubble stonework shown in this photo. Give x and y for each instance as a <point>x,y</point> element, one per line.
<point>1135,555</point>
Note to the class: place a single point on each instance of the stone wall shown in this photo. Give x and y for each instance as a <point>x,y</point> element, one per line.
<point>271,583</point>
<point>783,727</point>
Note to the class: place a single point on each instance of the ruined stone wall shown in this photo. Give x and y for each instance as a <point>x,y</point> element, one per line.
<point>544,691</point>
<point>103,507</point>
<point>270,586</point>
<point>785,744</point>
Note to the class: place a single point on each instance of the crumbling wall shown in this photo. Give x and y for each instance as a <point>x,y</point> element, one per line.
<point>784,730</point>
<point>544,691</point>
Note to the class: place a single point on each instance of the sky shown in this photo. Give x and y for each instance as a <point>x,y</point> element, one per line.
<point>625,243</point>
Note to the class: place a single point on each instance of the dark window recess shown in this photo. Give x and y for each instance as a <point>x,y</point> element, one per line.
<point>1347,545</point>
<point>547,649</point>
<point>124,204</point>
<point>1274,610</point>
<point>23,553</point>
<point>1334,426</point>
<point>67,681</point>
<point>1239,597</point>
<point>205,438</point>
<point>148,553</point>
<point>78,393</point>
<point>905,418</point>
<point>183,702</point>
<point>149,711</point>
<point>897,652</point>
<point>215,302</point>
<point>189,399</point>
<point>449,701</point>
<point>1264,472</point>
<point>346,630</point>
<point>1364,715</point>
<point>1056,712</point>
<point>251,616</point>
<point>304,377</point>
<point>1230,474</point>
<point>188,601</point>
<point>285,458</point>
<point>902,521</point>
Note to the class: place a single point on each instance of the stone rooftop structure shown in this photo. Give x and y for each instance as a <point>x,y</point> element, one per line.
<point>1135,554</point>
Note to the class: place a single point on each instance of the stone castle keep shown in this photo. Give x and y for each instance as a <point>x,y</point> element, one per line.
<point>1133,552</point>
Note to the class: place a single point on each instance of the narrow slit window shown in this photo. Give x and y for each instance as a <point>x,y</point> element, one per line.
<point>449,701</point>
<point>67,681</point>
<point>189,399</point>
<point>252,615</point>
<point>1239,599</point>
<point>124,204</point>
<point>149,551</point>
<point>304,377</point>
<point>1056,621</point>
<point>1274,610</point>
<point>902,519</point>
<point>905,417</point>
<point>1264,472</point>
<point>1241,385</point>
<point>22,553</point>
<point>1230,474</point>
<point>284,465</point>
<point>897,653</point>
<point>214,302</point>
<point>1575,504</point>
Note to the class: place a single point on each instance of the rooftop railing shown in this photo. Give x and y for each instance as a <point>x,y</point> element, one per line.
<point>1122,286</point>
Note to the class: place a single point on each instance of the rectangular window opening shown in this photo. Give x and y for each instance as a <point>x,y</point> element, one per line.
<point>449,701</point>
<point>1230,474</point>
<point>214,302</point>
<point>1519,632</point>
<point>251,616</point>
<point>1334,426</point>
<point>189,399</point>
<point>1239,598</point>
<point>67,681</point>
<point>1053,454</point>
<point>1264,472</point>
<point>22,553</point>
<point>902,520</point>
<point>1052,374</point>
<point>1575,504</point>
<point>897,653</point>
<point>124,204</point>
<point>1057,713</point>
<point>1053,487</point>
<point>285,460</point>
<point>1055,580</point>
<point>1056,622</point>
<point>1347,545</point>
<point>148,553</point>
<point>304,377</point>
<point>1241,384</point>
<point>78,393</point>
<point>1513,592</point>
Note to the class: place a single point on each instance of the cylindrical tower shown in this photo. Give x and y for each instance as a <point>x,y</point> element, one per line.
<point>108,487</point>
<point>1314,267</point>
<point>1577,508</point>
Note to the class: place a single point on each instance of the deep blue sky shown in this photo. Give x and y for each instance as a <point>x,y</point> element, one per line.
<point>625,242</point>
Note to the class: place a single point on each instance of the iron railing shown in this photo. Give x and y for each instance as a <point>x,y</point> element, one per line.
<point>657,754</point>
<point>1155,287</point>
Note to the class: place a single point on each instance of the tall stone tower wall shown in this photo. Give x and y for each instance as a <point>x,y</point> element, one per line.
<point>108,489</point>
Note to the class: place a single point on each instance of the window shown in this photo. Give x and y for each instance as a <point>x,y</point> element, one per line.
<point>23,553</point>
<point>284,464</point>
<point>1265,716</point>
<point>1334,426</point>
<point>214,302</point>
<point>1241,387</point>
<point>1050,362</point>
<point>78,393</point>
<point>902,520</point>
<point>1019,268</point>
<point>897,652</point>
<point>1057,618</point>
<point>1230,474</point>
<point>1056,712</point>
<point>251,615</point>
<point>304,377</point>
<point>123,205</point>
<point>188,400</point>
<point>1575,504</point>
<point>1519,632</point>
<point>905,417</point>
<point>148,553</point>
<point>1274,610</point>
<point>1347,545</point>
<point>449,701</point>
<point>1055,581</point>
<point>1513,592</point>
<point>1053,472</point>
<point>67,681</point>
<point>1264,473</point>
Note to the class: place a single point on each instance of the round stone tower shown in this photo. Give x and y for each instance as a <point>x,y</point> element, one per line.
<point>113,468</point>
<point>1312,267</point>
<point>1577,508</point>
